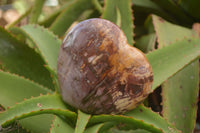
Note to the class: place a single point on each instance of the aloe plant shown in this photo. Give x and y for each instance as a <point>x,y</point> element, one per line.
<point>30,99</point>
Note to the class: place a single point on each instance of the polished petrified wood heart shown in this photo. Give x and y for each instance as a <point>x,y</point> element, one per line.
<point>99,72</point>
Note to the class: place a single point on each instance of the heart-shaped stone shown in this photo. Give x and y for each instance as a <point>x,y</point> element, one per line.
<point>99,72</point>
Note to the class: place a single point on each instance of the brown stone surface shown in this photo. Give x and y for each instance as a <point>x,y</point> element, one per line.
<point>99,72</point>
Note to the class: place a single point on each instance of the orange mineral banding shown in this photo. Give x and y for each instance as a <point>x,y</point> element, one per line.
<point>99,72</point>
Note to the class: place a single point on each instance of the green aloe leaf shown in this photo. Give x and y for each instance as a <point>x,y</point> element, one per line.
<point>82,121</point>
<point>114,130</point>
<point>33,123</point>
<point>182,88</point>
<point>69,15</point>
<point>14,128</point>
<point>60,126</point>
<point>183,85</point>
<point>146,4</point>
<point>48,48</point>
<point>140,115</point>
<point>168,33</point>
<point>149,7</point>
<point>22,36</point>
<point>18,58</point>
<point>112,127</point>
<point>190,7</point>
<point>146,43</point>
<point>115,8</point>
<point>19,19</point>
<point>14,89</point>
<point>94,129</point>
<point>47,43</point>
<point>134,122</point>
<point>148,116</point>
<point>169,60</point>
<point>36,11</point>
<point>43,104</point>
<point>109,125</point>
<point>174,11</point>
<point>97,5</point>
<point>51,18</point>
<point>85,15</point>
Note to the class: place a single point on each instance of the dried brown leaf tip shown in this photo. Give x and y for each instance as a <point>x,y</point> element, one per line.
<point>196,28</point>
<point>99,72</point>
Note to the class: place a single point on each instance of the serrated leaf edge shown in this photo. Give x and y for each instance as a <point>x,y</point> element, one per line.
<point>27,79</point>
<point>56,111</point>
<point>122,116</point>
